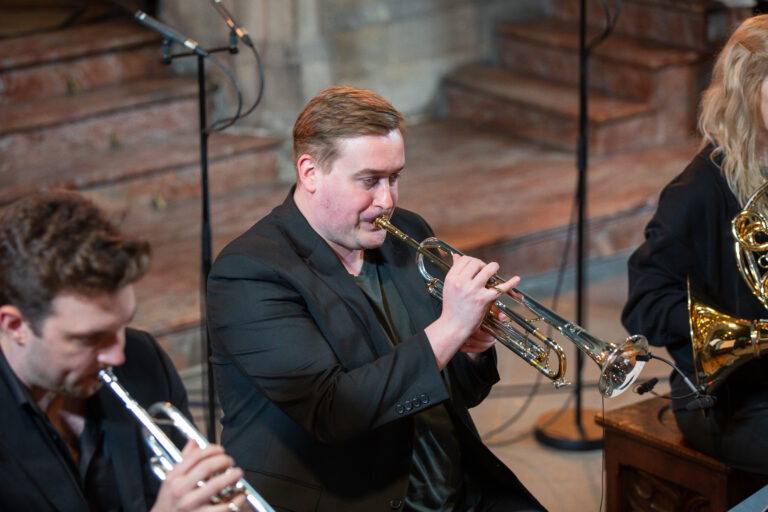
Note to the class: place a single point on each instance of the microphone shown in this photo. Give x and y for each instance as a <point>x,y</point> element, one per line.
<point>169,33</point>
<point>646,386</point>
<point>237,29</point>
<point>701,402</point>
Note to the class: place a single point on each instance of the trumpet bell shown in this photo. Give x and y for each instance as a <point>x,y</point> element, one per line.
<point>621,364</point>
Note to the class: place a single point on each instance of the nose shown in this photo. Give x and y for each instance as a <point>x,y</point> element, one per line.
<point>385,195</point>
<point>113,354</point>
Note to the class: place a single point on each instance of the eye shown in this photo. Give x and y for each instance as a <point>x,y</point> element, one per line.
<point>98,339</point>
<point>369,181</point>
<point>394,178</point>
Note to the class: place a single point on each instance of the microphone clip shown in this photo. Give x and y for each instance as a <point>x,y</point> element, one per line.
<point>646,386</point>
<point>233,48</point>
<point>701,402</point>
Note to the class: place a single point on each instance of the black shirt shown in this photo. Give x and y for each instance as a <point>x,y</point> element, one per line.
<point>437,479</point>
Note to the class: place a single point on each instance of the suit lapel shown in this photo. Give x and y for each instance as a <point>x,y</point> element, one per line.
<point>343,303</point>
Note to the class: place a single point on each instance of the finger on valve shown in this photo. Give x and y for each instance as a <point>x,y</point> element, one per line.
<point>212,472</point>
<point>223,484</point>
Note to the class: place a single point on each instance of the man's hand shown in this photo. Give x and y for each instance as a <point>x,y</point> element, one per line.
<point>477,343</point>
<point>201,474</point>
<point>480,340</point>
<point>466,300</point>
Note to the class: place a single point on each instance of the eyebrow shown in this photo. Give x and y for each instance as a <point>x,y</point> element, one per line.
<point>99,332</point>
<point>377,172</point>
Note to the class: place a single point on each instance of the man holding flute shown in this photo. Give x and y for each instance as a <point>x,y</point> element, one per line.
<point>344,385</point>
<point>68,443</point>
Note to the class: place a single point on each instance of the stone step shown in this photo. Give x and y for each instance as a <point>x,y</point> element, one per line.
<point>620,66</point>
<point>488,193</point>
<point>95,71</point>
<point>547,113</point>
<point>72,43</point>
<point>127,114</point>
<point>695,24</point>
<point>76,59</point>
<point>26,17</point>
<point>158,172</point>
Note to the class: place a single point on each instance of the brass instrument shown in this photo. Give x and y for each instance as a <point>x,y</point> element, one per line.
<point>722,343</point>
<point>166,453</point>
<point>750,232</point>
<point>620,363</point>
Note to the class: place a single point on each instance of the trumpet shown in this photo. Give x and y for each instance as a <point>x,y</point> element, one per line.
<point>620,363</point>
<point>165,452</point>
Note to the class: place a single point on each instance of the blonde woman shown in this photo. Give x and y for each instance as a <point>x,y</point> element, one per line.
<point>690,236</point>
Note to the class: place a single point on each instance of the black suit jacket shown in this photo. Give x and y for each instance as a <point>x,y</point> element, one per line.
<point>317,403</point>
<point>35,477</point>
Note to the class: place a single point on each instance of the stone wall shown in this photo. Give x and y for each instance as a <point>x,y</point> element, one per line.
<point>399,48</point>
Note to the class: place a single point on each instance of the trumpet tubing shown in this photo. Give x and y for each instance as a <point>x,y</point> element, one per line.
<point>620,363</point>
<point>165,452</point>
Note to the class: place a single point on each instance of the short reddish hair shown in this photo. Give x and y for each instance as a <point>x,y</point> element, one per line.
<point>338,113</point>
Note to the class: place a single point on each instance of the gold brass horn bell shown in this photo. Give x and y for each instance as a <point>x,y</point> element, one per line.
<point>722,343</point>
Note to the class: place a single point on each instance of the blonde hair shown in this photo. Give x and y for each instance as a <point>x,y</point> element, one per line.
<point>731,118</point>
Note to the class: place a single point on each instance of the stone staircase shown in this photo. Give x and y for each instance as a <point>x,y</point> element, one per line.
<point>90,107</point>
<point>644,80</point>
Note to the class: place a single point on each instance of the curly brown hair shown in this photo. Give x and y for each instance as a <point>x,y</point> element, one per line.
<point>58,242</point>
<point>337,113</point>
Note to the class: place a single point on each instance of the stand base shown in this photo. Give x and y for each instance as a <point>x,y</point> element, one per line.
<point>563,432</point>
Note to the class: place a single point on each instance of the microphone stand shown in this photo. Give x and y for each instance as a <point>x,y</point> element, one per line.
<point>549,431</point>
<point>206,250</point>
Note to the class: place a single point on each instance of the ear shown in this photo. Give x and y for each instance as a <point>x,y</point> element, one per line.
<point>307,170</point>
<point>12,323</point>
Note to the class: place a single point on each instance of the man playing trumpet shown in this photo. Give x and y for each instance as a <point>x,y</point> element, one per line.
<point>68,444</point>
<point>344,385</point>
